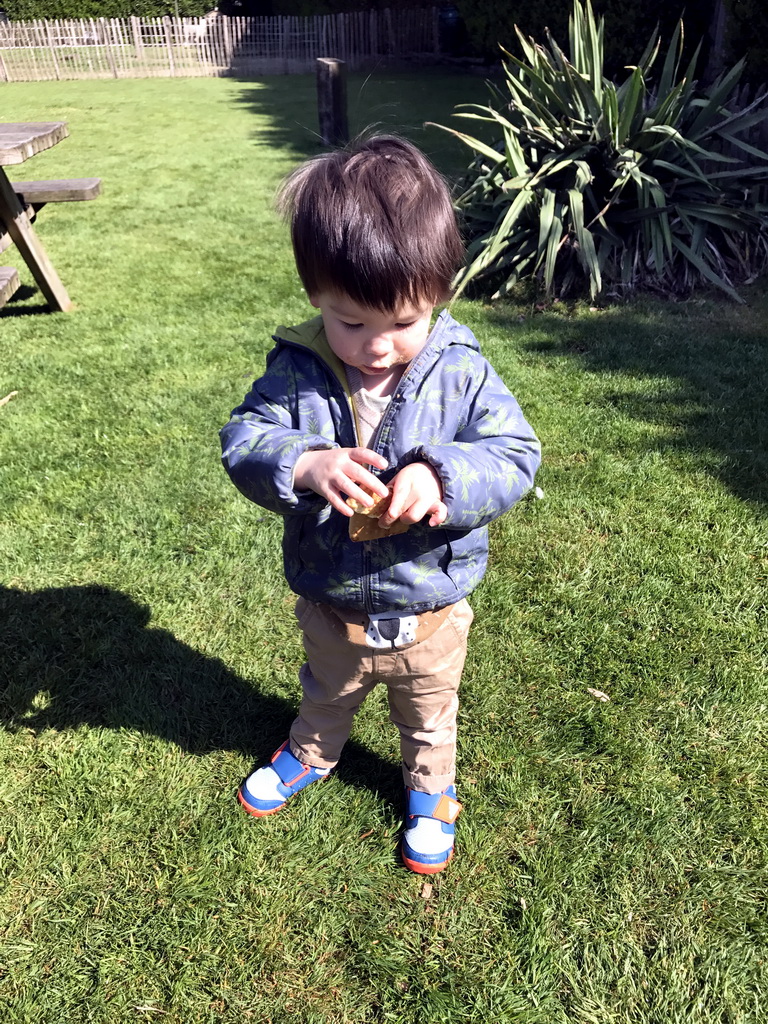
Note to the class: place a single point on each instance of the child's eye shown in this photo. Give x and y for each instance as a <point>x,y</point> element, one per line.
<point>351,327</point>
<point>402,327</point>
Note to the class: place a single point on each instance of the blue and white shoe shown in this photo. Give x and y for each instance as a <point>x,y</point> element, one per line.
<point>269,788</point>
<point>427,843</point>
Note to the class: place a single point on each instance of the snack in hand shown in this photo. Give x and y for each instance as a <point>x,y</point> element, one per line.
<point>364,524</point>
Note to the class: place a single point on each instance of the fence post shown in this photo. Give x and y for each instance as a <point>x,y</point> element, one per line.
<point>4,37</point>
<point>373,34</point>
<point>390,33</point>
<point>53,49</point>
<point>217,46</point>
<point>332,101</point>
<point>138,42</point>
<point>107,41</point>
<point>96,47</point>
<point>229,49</point>
<point>718,27</point>
<point>169,44</point>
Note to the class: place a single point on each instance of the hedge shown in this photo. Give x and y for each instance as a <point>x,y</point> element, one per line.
<point>628,26</point>
<point>28,10</point>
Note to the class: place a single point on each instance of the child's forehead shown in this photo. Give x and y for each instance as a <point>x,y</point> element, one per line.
<point>404,309</point>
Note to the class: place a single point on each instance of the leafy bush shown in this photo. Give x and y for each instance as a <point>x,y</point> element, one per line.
<point>606,187</point>
<point>628,25</point>
<point>28,10</point>
<point>747,34</point>
<point>19,10</point>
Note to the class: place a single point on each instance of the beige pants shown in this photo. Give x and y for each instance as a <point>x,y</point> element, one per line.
<point>422,681</point>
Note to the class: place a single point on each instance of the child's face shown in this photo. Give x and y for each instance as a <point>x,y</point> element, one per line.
<point>379,344</point>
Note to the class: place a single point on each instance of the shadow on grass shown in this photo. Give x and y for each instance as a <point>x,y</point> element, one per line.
<point>75,656</point>
<point>716,358</point>
<point>387,99</point>
<point>37,310</point>
<point>18,304</point>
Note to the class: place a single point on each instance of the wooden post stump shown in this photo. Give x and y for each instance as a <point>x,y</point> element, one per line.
<point>332,101</point>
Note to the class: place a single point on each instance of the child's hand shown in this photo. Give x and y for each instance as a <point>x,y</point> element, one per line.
<point>416,492</point>
<point>335,472</point>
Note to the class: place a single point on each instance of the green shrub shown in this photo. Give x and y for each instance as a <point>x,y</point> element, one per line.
<point>628,26</point>
<point>606,188</point>
<point>28,10</point>
<point>747,35</point>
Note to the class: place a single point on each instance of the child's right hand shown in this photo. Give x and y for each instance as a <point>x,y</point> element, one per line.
<point>335,472</point>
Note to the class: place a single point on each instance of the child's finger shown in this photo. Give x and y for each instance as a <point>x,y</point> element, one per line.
<point>352,490</point>
<point>366,457</point>
<point>439,515</point>
<point>371,483</point>
<point>396,507</point>
<point>416,511</point>
<point>405,505</point>
<point>339,504</point>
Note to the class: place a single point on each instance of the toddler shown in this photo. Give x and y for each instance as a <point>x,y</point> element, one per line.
<point>373,403</point>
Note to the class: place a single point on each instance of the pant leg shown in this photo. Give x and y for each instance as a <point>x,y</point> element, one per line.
<point>336,679</point>
<point>423,701</point>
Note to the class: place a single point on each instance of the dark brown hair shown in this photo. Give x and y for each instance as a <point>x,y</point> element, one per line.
<point>373,222</point>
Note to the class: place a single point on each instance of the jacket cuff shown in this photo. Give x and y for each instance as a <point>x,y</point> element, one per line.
<point>422,454</point>
<point>459,516</point>
<point>307,499</point>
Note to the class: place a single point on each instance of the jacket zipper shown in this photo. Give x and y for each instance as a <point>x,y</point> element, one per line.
<point>349,403</point>
<point>339,389</point>
<point>378,448</point>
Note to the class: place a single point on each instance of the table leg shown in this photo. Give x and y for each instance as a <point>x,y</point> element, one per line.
<point>31,248</point>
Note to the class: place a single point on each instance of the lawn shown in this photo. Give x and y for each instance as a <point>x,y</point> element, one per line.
<point>611,859</point>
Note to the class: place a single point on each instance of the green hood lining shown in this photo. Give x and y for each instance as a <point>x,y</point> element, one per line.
<point>311,335</point>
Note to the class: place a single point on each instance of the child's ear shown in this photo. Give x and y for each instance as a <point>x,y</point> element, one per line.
<point>314,301</point>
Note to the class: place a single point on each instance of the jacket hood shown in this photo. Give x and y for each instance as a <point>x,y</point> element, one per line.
<point>311,335</point>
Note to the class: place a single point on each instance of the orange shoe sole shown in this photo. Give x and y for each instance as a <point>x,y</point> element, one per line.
<point>424,869</point>
<point>252,810</point>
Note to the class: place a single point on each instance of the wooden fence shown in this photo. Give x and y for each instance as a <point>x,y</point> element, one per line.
<point>32,51</point>
<point>757,135</point>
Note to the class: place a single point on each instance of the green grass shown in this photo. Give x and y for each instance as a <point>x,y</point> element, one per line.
<point>611,859</point>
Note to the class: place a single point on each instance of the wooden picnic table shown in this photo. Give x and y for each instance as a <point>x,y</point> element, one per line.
<point>19,142</point>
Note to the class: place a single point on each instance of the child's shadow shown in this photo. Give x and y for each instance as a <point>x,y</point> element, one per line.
<point>75,656</point>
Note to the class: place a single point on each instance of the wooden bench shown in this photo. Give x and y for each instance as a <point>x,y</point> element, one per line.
<point>9,283</point>
<point>61,190</point>
<point>9,278</point>
<point>20,140</point>
<point>34,195</point>
<point>5,238</point>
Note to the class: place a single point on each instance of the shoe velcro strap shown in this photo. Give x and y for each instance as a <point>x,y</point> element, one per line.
<point>433,805</point>
<point>288,767</point>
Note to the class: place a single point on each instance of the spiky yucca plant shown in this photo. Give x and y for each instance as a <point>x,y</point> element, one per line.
<point>607,187</point>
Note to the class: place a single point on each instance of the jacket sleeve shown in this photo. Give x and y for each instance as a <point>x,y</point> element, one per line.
<point>493,458</point>
<point>264,439</point>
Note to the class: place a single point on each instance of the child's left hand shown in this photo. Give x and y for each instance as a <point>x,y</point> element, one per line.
<point>416,492</point>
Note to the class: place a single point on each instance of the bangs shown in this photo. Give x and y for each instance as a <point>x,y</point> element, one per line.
<point>375,223</point>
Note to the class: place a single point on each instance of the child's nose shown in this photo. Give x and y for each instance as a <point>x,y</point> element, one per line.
<point>380,343</point>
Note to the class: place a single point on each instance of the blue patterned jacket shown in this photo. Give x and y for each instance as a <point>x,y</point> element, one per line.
<point>450,409</point>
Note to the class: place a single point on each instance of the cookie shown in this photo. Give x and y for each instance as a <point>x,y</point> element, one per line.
<point>364,524</point>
